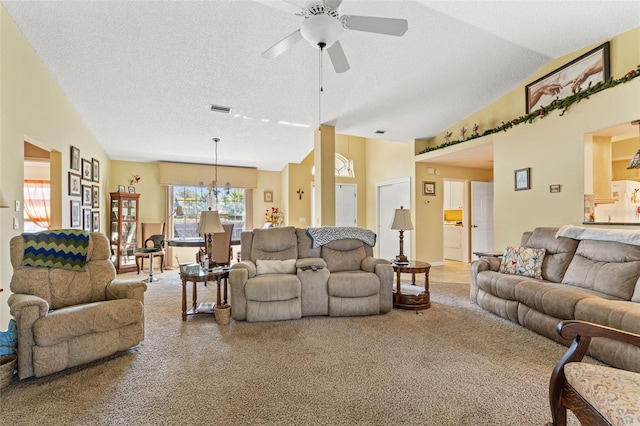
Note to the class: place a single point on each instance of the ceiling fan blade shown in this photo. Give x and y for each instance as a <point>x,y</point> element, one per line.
<point>371,24</point>
<point>338,58</point>
<point>283,45</point>
<point>284,6</point>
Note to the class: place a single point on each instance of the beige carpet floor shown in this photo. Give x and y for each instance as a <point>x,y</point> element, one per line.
<point>452,364</point>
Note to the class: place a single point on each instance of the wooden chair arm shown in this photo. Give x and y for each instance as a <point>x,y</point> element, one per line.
<point>581,333</point>
<point>571,329</point>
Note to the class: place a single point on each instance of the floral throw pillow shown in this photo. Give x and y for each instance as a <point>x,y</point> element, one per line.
<point>523,261</point>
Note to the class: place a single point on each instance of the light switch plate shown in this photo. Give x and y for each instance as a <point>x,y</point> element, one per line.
<point>17,206</point>
<point>16,223</point>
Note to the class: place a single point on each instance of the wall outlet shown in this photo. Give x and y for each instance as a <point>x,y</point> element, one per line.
<point>16,223</point>
<point>302,220</point>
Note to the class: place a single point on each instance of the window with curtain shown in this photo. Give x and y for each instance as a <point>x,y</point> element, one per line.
<point>37,205</point>
<point>194,199</point>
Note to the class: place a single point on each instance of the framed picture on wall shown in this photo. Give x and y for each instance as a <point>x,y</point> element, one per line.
<point>75,159</point>
<point>590,68</point>
<point>74,184</point>
<point>95,196</point>
<point>95,167</point>
<point>86,195</point>
<point>87,172</point>
<point>95,218</point>
<point>86,220</point>
<point>268,196</point>
<point>75,213</point>
<point>522,179</point>
<point>428,188</point>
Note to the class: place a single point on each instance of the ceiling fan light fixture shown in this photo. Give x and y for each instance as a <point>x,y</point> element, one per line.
<point>321,29</point>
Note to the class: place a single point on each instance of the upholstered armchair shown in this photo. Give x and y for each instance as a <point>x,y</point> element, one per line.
<point>68,307</point>
<point>596,394</point>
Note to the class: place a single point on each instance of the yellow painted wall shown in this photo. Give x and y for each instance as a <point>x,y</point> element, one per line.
<point>299,177</point>
<point>387,161</point>
<point>267,181</point>
<point>624,56</point>
<point>151,201</point>
<point>554,149</point>
<point>34,108</point>
<point>429,217</point>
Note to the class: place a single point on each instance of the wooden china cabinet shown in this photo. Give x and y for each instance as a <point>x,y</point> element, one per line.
<point>124,230</point>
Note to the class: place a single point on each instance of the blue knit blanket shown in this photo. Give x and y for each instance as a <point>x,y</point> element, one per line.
<point>59,248</point>
<point>325,234</point>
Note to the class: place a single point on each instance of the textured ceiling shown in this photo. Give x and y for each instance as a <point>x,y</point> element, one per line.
<point>143,74</point>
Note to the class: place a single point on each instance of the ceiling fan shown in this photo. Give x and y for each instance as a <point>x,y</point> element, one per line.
<point>323,26</point>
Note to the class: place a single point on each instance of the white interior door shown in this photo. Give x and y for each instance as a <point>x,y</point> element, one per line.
<point>346,204</point>
<point>481,217</point>
<point>392,195</point>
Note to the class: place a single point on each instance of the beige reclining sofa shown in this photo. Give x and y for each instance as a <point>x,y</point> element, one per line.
<point>282,276</point>
<point>589,275</point>
<point>70,314</point>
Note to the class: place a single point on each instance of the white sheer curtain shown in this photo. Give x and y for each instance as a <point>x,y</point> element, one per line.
<point>37,202</point>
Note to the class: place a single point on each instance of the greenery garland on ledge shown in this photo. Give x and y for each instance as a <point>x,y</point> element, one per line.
<point>563,104</point>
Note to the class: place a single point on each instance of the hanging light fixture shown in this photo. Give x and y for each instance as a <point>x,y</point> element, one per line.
<point>210,220</point>
<point>635,161</point>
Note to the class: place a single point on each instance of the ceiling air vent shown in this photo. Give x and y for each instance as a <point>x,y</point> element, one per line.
<point>221,109</point>
<point>380,132</point>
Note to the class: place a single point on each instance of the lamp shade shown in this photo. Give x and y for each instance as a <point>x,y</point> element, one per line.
<point>402,220</point>
<point>210,223</point>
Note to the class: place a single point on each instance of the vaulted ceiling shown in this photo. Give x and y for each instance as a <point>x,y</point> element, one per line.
<point>143,74</point>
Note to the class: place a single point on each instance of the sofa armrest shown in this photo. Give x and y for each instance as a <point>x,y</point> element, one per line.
<point>310,262</point>
<point>238,276</point>
<point>26,309</point>
<point>369,263</point>
<point>126,289</point>
<point>477,266</point>
<point>248,265</point>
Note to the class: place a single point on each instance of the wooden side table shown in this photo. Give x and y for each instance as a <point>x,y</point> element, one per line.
<point>202,276</point>
<point>412,301</point>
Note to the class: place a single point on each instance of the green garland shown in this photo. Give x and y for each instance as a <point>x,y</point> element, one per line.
<point>563,104</point>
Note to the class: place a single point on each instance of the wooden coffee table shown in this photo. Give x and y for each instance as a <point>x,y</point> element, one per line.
<point>415,302</point>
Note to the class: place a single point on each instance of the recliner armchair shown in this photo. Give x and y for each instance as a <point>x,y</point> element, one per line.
<point>67,317</point>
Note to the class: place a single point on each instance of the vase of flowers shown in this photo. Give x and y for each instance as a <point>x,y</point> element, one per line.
<point>274,216</point>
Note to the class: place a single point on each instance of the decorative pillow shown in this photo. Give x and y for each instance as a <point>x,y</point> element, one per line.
<point>276,266</point>
<point>523,261</point>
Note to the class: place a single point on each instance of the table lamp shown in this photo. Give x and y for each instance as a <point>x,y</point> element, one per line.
<point>402,222</point>
<point>210,224</point>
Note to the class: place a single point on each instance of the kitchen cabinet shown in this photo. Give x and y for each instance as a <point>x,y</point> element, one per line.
<point>453,195</point>
<point>452,242</point>
<point>124,230</point>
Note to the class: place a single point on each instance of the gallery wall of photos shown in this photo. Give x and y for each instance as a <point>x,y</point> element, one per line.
<point>84,190</point>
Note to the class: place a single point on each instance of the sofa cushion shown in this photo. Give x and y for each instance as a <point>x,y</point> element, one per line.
<point>287,266</point>
<point>558,252</point>
<point>66,323</point>
<point>343,255</point>
<point>305,243</point>
<point>274,244</point>
<point>523,261</point>
<point>618,314</point>
<point>499,285</point>
<point>556,300</point>
<point>353,284</point>
<point>272,287</point>
<point>605,266</point>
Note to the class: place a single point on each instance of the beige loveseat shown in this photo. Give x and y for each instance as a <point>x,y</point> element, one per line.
<point>583,278</point>
<point>69,317</point>
<point>282,277</point>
